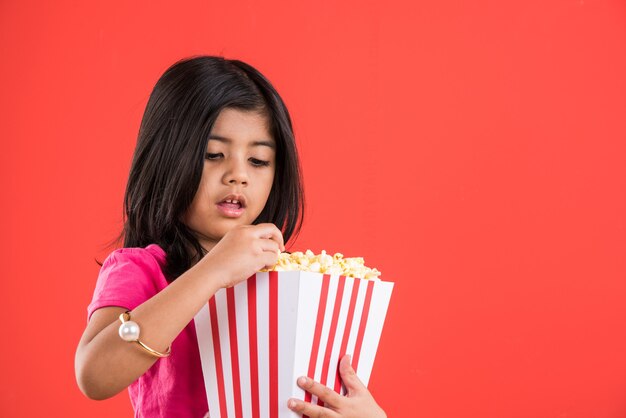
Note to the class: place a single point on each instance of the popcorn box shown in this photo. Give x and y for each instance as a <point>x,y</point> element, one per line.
<point>258,337</point>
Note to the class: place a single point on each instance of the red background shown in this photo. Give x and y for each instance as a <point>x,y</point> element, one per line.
<point>474,152</point>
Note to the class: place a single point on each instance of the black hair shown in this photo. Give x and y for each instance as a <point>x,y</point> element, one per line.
<point>167,164</point>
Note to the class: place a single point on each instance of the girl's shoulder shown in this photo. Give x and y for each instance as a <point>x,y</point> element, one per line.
<point>148,255</point>
<point>128,277</point>
<point>151,250</point>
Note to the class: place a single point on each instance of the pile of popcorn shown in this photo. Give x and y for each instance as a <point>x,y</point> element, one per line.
<point>325,263</point>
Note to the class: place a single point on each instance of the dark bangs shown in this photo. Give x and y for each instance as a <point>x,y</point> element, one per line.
<point>168,161</point>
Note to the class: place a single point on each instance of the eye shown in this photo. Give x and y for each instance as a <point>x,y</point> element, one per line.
<point>259,163</point>
<point>210,156</point>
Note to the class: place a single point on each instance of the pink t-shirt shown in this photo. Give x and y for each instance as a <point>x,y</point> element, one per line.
<point>173,386</point>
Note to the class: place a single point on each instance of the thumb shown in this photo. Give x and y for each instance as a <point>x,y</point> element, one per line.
<point>348,376</point>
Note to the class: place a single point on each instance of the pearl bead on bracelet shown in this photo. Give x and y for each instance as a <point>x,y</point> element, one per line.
<point>129,331</point>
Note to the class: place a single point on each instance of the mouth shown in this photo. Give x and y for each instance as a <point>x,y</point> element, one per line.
<point>232,205</point>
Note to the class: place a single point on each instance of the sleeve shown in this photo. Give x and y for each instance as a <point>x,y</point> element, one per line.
<point>128,278</point>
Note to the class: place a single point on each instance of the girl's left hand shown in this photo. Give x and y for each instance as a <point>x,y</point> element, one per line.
<point>358,401</point>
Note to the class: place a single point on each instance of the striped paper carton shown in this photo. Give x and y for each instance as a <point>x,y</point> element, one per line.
<point>258,337</point>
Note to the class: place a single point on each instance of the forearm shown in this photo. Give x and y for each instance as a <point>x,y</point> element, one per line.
<point>106,364</point>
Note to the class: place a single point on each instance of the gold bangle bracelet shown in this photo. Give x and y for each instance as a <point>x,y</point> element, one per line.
<point>129,331</point>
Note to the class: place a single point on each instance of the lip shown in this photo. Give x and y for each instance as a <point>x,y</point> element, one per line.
<point>229,210</point>
<point>234,196</point>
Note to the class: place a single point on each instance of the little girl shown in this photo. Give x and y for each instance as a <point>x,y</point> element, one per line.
<point>213,193</point>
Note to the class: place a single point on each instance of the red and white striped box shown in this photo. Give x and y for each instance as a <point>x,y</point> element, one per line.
<point>258,337</point>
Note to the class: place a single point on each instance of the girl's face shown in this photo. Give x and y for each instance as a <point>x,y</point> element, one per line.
<point>237,176</point>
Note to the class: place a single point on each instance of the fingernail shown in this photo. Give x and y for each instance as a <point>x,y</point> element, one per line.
<point>302,380</point>
<point>291,404</point>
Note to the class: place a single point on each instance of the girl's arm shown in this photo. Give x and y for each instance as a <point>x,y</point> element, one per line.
<point>358,402</point>
<point>105,364</point>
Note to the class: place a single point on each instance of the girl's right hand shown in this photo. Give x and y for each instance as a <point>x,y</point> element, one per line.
<point>244,250</point>
<point>358,402</point>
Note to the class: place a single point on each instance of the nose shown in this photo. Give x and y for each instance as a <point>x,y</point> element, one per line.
<point>236,173</point>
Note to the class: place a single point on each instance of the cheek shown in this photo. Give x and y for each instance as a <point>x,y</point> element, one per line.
<point>265,189</point>
<point>268,184</point>
<point>201,200</point>
<point>205,186</point>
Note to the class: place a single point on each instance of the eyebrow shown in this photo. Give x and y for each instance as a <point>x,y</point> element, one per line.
<point>269,144</point>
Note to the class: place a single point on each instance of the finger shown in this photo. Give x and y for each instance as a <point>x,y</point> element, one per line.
<point>269,245</point>
<point>326,394</point>
<point>349,378</point>
<point>269,259</point>
<point>310,410</point>
<point>270,231</point>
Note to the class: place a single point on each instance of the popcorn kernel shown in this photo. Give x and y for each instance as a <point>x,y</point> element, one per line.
<point>325,263</point>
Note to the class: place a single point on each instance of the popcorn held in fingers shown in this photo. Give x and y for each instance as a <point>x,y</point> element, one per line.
<point>325,263</point>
